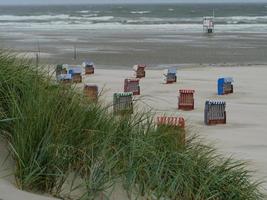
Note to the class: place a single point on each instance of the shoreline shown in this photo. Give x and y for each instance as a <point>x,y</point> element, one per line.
<point>32,56</point>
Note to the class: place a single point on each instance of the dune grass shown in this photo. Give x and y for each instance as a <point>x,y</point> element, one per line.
<point>55,135</point>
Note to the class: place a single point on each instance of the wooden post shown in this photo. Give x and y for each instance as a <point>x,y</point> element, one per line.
<point>75,52</point>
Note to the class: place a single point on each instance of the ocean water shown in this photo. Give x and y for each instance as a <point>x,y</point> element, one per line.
<point>187,17</point>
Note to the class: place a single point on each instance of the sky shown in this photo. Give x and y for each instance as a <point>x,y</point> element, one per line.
<point>19,2</point>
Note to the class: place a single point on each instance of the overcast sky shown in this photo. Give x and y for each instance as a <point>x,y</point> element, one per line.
<point>119,1</point>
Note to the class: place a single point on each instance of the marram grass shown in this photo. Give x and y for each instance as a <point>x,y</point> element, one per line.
<point>55,135</point>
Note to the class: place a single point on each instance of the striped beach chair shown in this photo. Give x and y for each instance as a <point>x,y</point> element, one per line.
<point>186,100</point>
<point>215,112</point>
<point>123,103</point>
<point>173,125</point>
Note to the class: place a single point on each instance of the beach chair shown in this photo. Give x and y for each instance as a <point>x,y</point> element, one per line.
<point>186,100</point>
<point>140,70</point>
<point>91,92</point>
<point>132,85</point>
<point>170,75</point>
<point>64,78</point>
<point>172,125</point>
<point>89,67</point>
<point>225,86</point>
<point>76,73</point>
<point>123,103</point>
<point>60,70</point>
<point>214,112</point>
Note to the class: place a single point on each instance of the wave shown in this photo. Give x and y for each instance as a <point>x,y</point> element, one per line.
<point>95,18</point>
<point>180,28</point>
<point>51,18</point>
<point>141,12</point>
<point>32,17</point>
<point>87,11</point>
<point>84,11</point>
<point>242,20</point>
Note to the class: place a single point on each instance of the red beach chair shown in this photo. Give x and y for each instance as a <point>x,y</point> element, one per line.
<point>89,67</point>
<point>186,100</point>
<point>132,85</point>
<point>176,124</point>
<point>91,92</point>
<point>171,121</point>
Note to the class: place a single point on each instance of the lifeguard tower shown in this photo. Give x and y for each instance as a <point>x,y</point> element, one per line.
<point>208,24</point>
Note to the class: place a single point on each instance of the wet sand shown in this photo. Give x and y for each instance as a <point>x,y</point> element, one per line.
<point>118,48</point>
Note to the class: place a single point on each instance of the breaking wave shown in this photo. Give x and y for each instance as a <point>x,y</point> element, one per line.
<point>88,17</point>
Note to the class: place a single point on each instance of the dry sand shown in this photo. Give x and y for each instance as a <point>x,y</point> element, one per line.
<point>244,136</point>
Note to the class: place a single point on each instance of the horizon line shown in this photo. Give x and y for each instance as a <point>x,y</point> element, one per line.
<point>127,3</point>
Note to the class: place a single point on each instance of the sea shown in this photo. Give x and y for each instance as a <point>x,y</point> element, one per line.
<point>245,17</point>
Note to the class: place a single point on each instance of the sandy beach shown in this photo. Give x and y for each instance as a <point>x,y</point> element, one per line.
<point>243,137</point>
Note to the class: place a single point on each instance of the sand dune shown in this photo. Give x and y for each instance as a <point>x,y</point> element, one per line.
<point>244,136</point>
